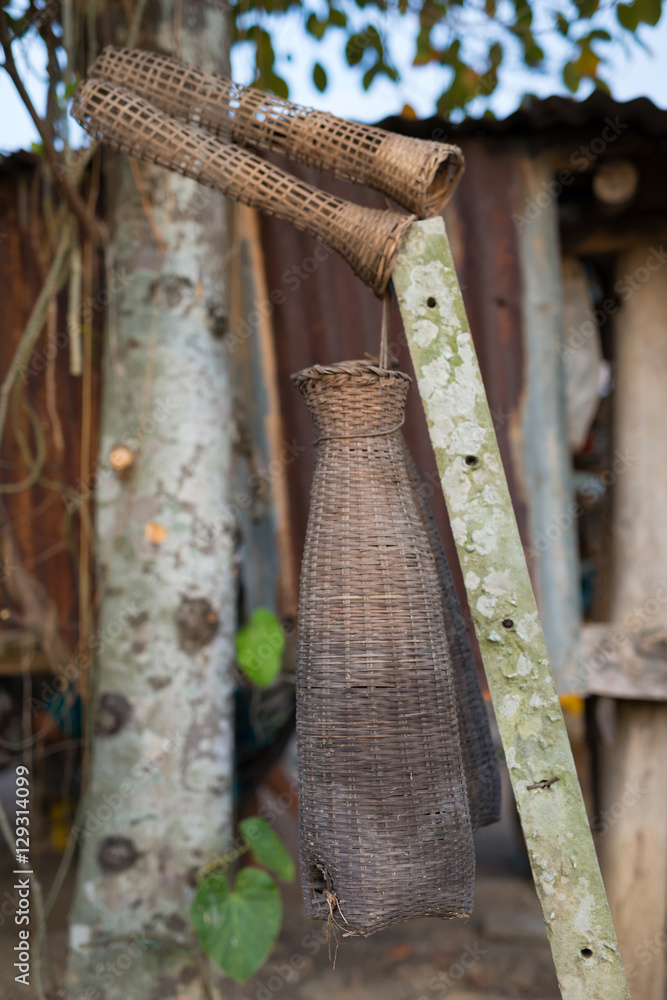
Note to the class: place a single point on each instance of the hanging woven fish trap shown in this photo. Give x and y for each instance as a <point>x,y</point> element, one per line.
<point>384,721</point>
<point>479,759</point>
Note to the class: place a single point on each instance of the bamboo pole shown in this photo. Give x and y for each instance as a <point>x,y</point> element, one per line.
<point>537,750</point>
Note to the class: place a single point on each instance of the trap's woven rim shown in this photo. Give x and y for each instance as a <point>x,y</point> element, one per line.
<point>362,370</point>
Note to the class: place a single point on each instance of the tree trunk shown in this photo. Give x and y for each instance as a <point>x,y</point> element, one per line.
<point>159,800</point>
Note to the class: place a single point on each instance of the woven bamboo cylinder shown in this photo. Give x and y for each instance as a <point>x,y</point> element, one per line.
<point>419,174</point>
<point>479,760</point>
<point>368,239</point>
<point>385,828</point>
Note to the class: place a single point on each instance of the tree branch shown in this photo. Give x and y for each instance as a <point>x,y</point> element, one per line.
<point>75,200</point>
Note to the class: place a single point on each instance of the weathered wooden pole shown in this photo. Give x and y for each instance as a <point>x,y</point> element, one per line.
<point>634,769</point>
<point>544,447</point>
<point>537,750</point>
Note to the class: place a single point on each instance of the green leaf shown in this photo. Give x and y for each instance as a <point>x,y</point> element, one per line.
<point>315,27</point>
<point>355,48</point>
<point>278,6</point>
<point>627,16</point>
<point>260,645</point>
<point>424,52</point>
<point>319,77</point>
<point>378,67</point>
<point>238,927</point>
<point>586,8</point>
<point>523,19</point>
<point>562,24</point>
<point>267,847</point>
<point>496,55</point>
<point>533,54</point>
<point>370,75</point>
<point>337,18</point>
<point>277,85</point>
<point>600,33</point>
<point>648,11</point>
<point>588,61</point>
<point>571,77</point>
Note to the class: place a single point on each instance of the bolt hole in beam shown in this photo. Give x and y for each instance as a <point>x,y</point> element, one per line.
<point>586,953</point>
<point>430,302</point>
<point>507,623</point>
<point>472,460</point>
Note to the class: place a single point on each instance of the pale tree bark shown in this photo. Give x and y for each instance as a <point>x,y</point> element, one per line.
<point>159,802</point>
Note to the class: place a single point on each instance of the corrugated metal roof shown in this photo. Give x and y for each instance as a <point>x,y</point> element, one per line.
<point>556,115</point>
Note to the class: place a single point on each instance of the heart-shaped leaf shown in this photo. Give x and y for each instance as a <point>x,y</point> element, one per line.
<point>238,927</point>
<point>267,847</point>
<point>259,647</point>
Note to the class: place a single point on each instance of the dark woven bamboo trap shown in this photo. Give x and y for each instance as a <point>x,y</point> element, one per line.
<point>479,759</point>
<point>419,174</point>
<point>369,239</point>
<point>391,729</point>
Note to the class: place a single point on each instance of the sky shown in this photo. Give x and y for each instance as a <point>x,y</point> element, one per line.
<point>634,71</point>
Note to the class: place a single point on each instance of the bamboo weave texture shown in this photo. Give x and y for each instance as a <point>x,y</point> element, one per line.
<point>419,174</point>
<point>387,711</point>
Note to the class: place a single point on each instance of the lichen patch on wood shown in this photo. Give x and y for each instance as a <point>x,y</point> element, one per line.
<point>506,620</point>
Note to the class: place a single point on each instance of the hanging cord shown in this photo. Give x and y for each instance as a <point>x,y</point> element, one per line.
<point>383,360</point>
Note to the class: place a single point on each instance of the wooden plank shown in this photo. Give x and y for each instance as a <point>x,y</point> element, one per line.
<point>617,663</point>
<point>14,643</point>
<point>635,844</point>
<point>558,838</point>
<point>261,502</point>
<point>12,666</point>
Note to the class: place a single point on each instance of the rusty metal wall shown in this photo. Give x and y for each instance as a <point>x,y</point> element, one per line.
<point>322,313</point>
<point>43,522</point>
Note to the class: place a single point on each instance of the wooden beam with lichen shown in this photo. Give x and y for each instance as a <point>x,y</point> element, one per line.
<point>537,750</point>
